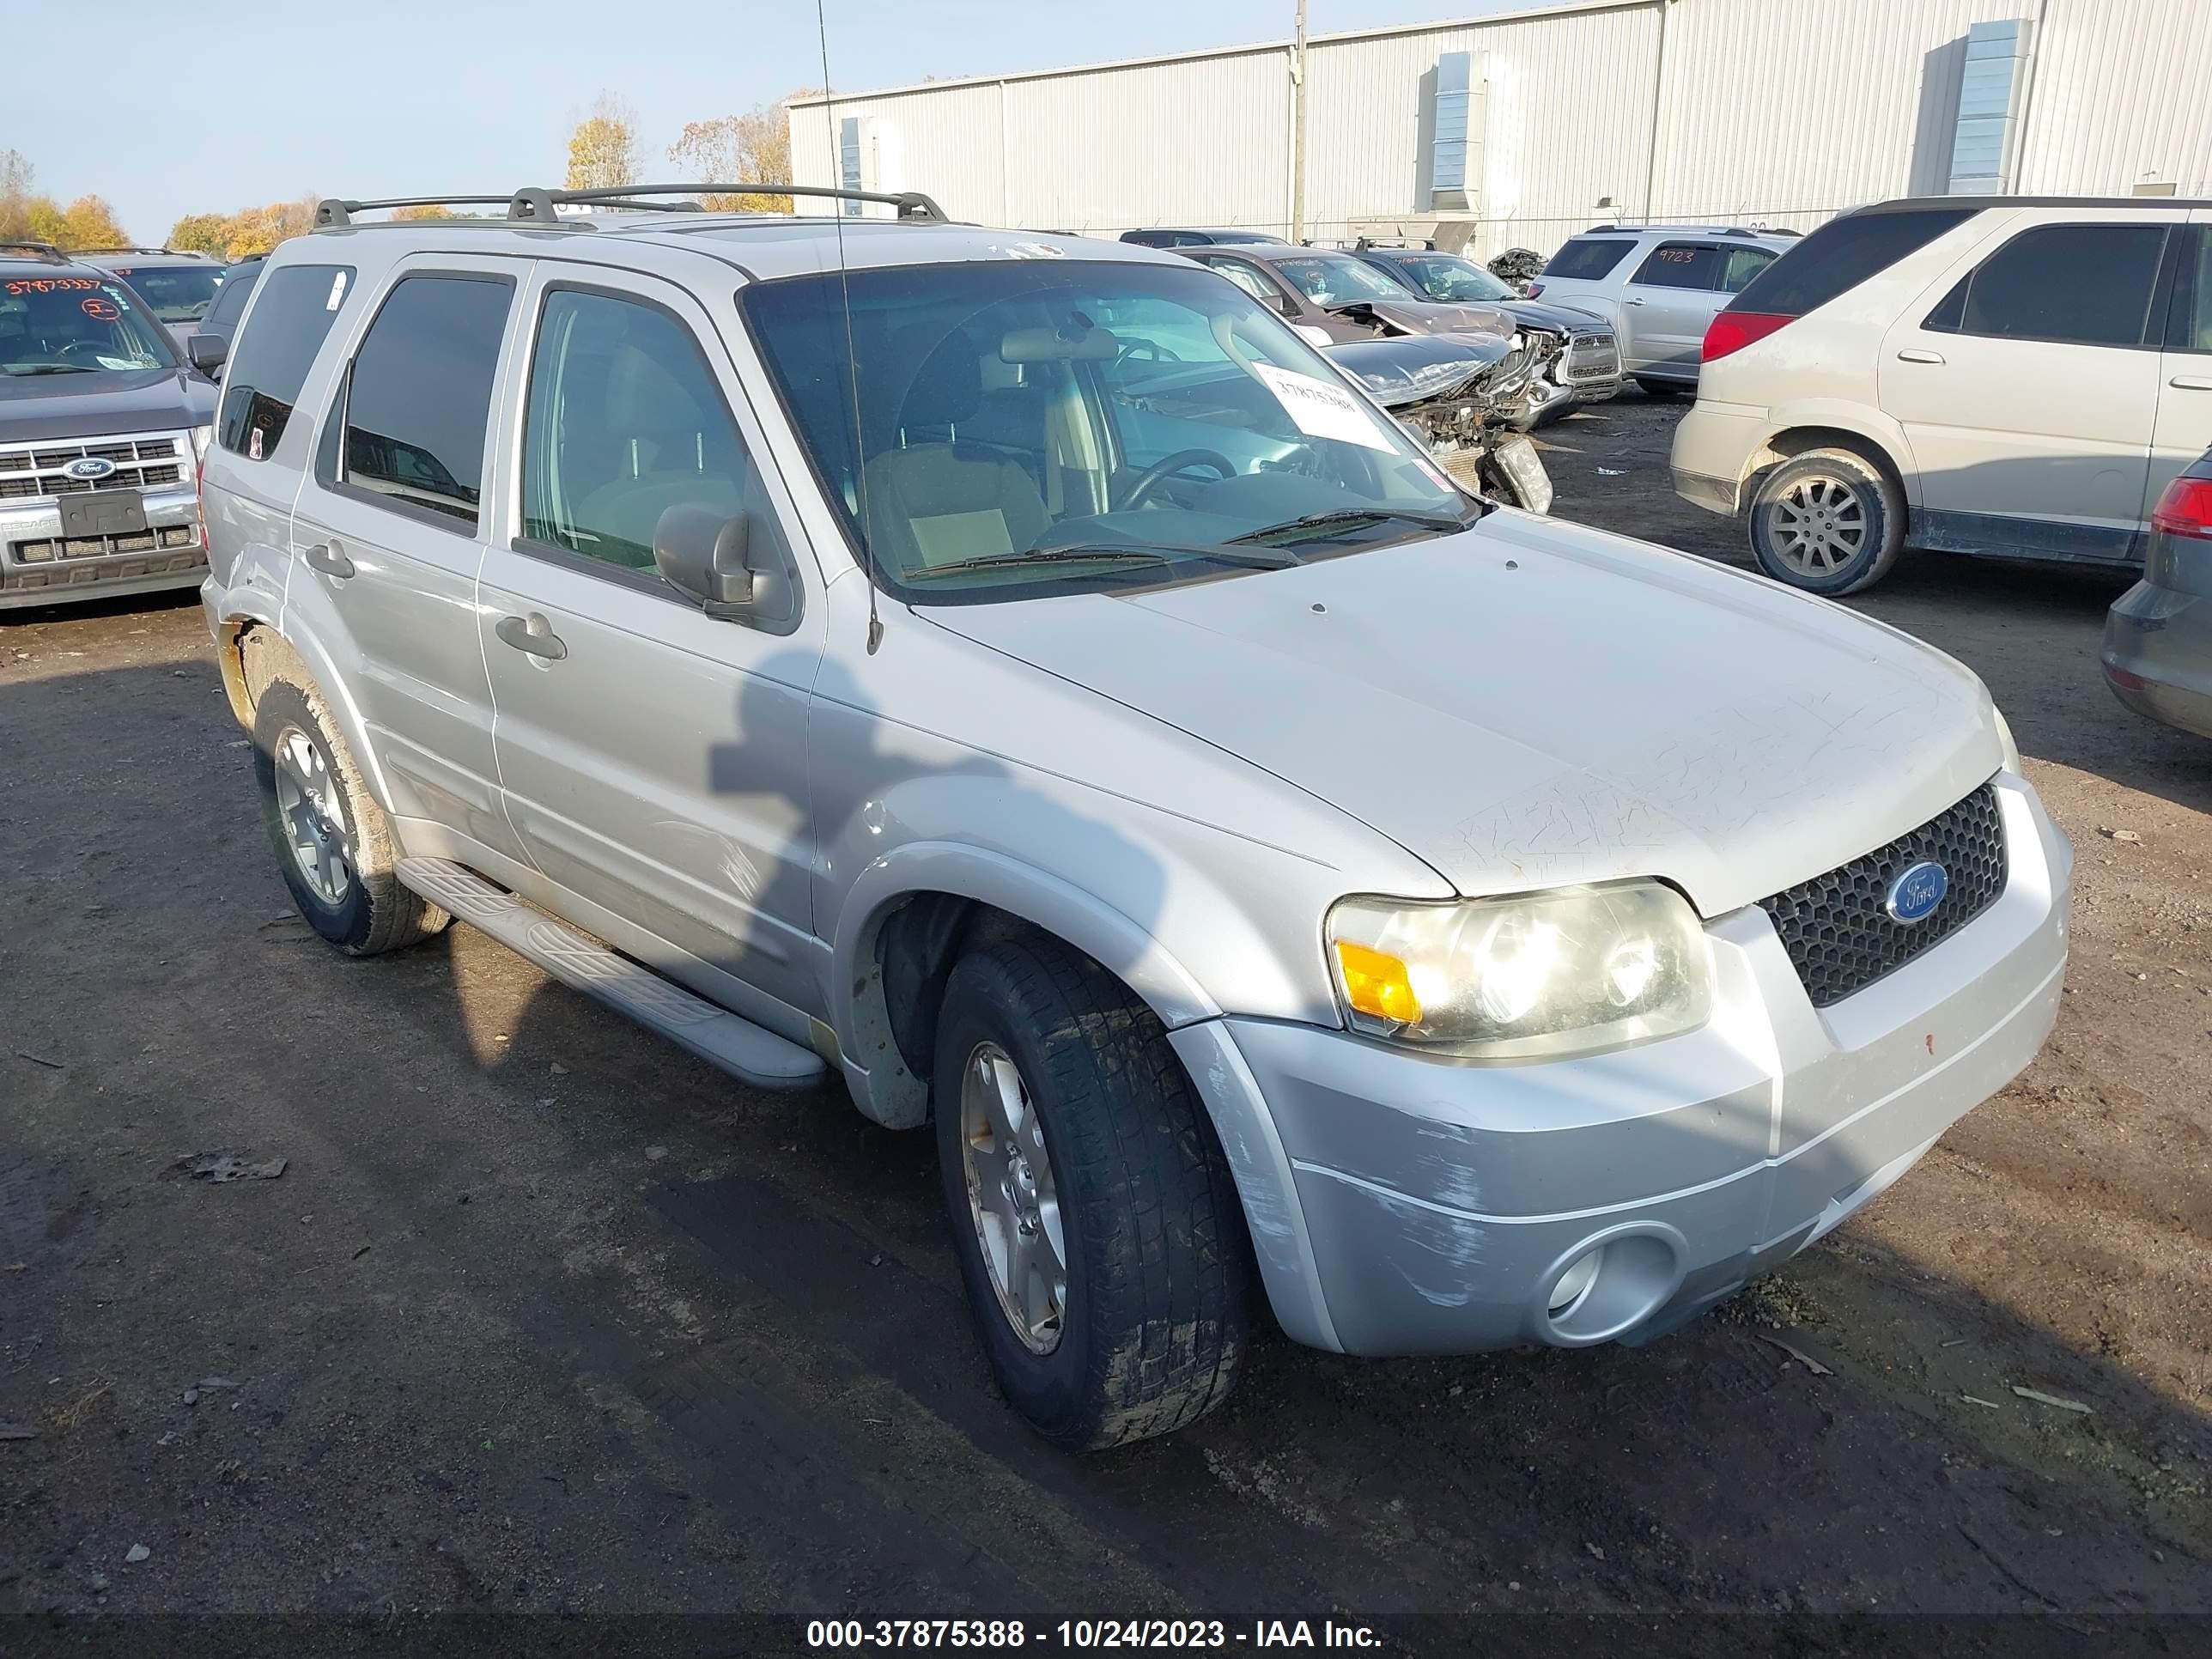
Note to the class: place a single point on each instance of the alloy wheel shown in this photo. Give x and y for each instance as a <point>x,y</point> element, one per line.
<point>1819,525</point>
<point>1012,1198</point>
<point>314,823</point>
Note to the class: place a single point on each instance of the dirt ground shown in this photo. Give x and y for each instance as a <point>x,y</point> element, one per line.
<point>544,1318</point>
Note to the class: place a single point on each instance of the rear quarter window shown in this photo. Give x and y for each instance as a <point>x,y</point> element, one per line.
<point>1587,259</point>
<point>1840,255</point>
<point>270,363</point>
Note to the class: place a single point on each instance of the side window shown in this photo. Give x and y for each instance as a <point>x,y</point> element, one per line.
<point>2073,284</point>
<point>222,315</point>
<point>1680,265</point>
<point>1742,265</point>
<point>2190,324</point>
<point>270,363</point>
<point>624,422</point>
<point>420,399</point>
<point>1586,260</point>
<point>1249,280</point>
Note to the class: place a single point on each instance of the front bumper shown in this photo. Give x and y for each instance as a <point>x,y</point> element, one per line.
<point>38,566</point>
<point>2157,656</point>
<point>1430,1207</point>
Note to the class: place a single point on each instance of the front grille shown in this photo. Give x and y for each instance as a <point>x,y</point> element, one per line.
<point>83,574</point>
<point>1840,938</point>
<point>1592,357</point>
<point>29,471</point>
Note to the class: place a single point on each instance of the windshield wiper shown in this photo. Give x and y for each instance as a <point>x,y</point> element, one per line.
<point>1352,515</point>
<point>1104,553</point>
<point>55,368</point>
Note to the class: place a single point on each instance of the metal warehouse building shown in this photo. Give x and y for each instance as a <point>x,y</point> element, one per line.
<point>1519,129</point>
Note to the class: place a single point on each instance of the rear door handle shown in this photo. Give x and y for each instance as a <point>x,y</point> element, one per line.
<point>326,557</point>
<point>1915,355</point>
<point>533,634</point>
<point>2192,382</point>
<point>1631,302</point>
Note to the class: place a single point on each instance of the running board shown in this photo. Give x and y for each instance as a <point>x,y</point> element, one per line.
<point>718,1036</point>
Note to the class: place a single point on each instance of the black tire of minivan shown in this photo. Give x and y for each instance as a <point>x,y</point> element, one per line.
<point>370,912</point>
<point>1159,1273</point>
<point>1862,500</point>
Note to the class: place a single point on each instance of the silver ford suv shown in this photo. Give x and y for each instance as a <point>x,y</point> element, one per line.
<point>1016,677</point>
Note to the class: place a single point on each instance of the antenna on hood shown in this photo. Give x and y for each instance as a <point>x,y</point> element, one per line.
<point>852,358</point>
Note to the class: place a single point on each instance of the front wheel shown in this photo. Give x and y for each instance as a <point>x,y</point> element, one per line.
<point>1098,1229</point>
<point>1829,521</point>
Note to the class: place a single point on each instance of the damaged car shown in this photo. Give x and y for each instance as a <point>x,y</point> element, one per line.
<point>1462,396</point>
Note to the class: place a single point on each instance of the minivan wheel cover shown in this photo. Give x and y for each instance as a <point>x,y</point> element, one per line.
<point>1819,525</point>
<point>1012,1198</point>
<point>314,824</point>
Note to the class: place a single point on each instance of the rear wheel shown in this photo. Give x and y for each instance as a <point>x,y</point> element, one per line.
<point>1829,521</point>
<point>333,844</point>
<point>1098,1229</point>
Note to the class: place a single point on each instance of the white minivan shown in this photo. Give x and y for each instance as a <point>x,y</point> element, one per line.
<point>2012,376</point>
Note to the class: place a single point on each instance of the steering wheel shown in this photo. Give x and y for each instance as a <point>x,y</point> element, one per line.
<point>1148,351</point>
<point>1143,485</point>
<point>93,346</point>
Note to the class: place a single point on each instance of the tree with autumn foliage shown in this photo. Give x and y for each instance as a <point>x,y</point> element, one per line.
<point>26,216</point>
<point>752,148</point>
<point>602,147</point>
<point>249,230</point>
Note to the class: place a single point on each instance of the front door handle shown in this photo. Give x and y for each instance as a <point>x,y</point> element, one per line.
<point>533,634</point>
<point>327,557</point>
<point>1915,355</point>
<point>2192,382</point>
<point>1631,302</point>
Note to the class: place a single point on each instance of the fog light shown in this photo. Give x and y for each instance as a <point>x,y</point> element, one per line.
<point>1573,1282</point>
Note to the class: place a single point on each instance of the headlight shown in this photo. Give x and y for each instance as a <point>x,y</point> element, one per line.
<point>202,437</point>
<point>2004,738</point>
<point>1538,976</point>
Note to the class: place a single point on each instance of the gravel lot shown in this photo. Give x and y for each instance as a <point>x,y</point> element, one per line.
<point>544,1317</point>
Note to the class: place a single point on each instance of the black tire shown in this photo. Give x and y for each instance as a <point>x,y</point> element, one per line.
<point>1158,1266</point>
<point>373,912</point>
<point>1654,387</point>
<point>1829,521</point>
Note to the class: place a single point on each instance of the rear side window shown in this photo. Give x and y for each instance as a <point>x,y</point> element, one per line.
<point>272,358</point>
<point>1585,259</point>
<point>1741,265</point>
<point>222,316</point>
<point>2070,284</point>
<point>420,399</point>
<point>1840,255</point>
<point>2190,324</point>
<point>1680,265</point>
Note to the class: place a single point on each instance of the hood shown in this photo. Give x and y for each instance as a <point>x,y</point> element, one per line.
<point>73,406</point>
<point>1429,317</point>
<point>1531,703</point>
<point>1411,370</point>
<point>1568,319</point>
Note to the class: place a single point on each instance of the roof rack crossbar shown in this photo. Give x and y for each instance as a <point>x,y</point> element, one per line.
<point>170,252</point>
<point>37,250</point>
<point>332,210</point>
<point>539,204</point>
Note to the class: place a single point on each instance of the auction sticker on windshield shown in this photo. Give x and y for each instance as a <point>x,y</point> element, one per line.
<point>1322,410</point>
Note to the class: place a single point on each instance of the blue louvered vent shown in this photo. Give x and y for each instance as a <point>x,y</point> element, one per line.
<point>1448,180</point>
<point>1990,84</point>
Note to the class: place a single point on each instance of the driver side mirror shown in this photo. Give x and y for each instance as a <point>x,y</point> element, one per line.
<point>700,551</point>
<point>208,352</point>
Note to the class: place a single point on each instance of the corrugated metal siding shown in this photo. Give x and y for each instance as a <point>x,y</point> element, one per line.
<point>1565,113</point>
<point>2122,96</point>
<point>1784,111</point>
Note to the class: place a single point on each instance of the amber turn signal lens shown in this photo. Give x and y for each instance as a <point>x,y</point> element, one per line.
<point>1376,984</point>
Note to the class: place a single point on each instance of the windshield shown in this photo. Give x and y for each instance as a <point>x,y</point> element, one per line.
<point>1448,277</point>
<point>1042,426</point>
<point>1338,279</point>
<point>178,293</point>
<point>76,325</point>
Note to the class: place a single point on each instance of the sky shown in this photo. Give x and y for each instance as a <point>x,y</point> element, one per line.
<point>248,103</point>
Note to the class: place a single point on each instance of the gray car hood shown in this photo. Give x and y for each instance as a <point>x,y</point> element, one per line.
<point>38,406</point>
<point>1531,703</point>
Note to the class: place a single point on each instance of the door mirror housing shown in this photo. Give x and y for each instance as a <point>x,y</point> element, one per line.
<point>710,555</point>
<point>208,351</point>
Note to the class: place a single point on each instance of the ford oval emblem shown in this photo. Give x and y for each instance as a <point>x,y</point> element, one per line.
<point>90,466</point>
<point>1918,889</point>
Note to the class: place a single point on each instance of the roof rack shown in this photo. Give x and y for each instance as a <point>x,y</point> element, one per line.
<point>170,252</point>
<point>533,206</point>
<point>1625,229</point>
<point>46,251</point>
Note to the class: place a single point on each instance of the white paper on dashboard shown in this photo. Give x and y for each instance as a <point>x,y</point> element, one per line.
<point>1322,410</point>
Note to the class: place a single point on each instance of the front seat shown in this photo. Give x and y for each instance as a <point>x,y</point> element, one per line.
<point>932,500</point>
<point>667,452</point>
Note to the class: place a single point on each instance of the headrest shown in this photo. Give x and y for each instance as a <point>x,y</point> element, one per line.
<point>643,396</point>
<point>947,389</point>
<point>1045,345</point>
